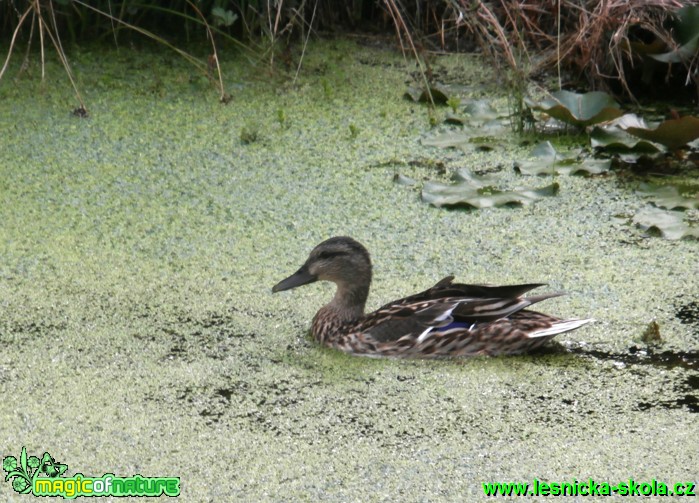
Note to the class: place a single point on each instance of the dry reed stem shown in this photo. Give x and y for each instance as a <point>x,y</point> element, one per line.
<point>402,27</point>
<point>589,37</point>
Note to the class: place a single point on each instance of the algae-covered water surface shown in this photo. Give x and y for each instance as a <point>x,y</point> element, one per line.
<point>138,248</point>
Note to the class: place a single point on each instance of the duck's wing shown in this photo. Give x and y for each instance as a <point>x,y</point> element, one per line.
<point>445,288</point>
<point>396,321</point>
<point>481,310</point>
<point>445,306</point>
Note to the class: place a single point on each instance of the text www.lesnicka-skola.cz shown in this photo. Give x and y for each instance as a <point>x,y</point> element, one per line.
<point>589,488</point>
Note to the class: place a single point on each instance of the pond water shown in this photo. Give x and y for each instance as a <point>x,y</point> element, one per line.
<point>139,333</point>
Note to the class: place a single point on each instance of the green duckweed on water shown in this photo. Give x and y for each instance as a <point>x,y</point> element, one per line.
<point>139,333</point>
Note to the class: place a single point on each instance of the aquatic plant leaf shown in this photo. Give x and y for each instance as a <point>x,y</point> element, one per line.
<point>413,93</point>
<point>534,167</point>
<point>493,128</point>
<point>475,181</point>
<point>589,166</point>
<point>481,110</point>
<point>673,133</point>
<point>449,139</point>
<point>544,150</point>
<point>667,196</point>
<point>543,158</point>
<point>668,224</point>
<point>546,161</point>
<point>686,32</point>
<point>564,167</point>
<point>629,120</point>
<point>440,94</point>
<point>475,111</point>
<point>463,194</point>
<point>483,136</point>
<point>403,180</point>
<point>613,136</point>
<point>579,109</point>
<point>682,53</point>
<point>687,23</point>
<point>456,119</point>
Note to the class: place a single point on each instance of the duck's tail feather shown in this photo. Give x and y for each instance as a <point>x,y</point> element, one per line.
<point>559,327</point>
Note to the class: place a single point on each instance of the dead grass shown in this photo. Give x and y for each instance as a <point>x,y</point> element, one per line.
<point>596,41</point>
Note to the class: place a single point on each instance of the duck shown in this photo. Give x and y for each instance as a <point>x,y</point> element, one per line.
<point>447,320</point>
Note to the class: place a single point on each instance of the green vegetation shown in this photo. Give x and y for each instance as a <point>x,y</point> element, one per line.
<point>249,133</point>
<point>601,41</point>
<point>139,247</point>
<point>274,37</point>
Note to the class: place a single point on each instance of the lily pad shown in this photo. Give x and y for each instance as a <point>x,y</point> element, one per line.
<point>668,224</point>
<point>667,196</point>
<point>481,110</point>
<point>686,31</point>
<point>673,133</point>
<point>589,167</point>
<point>465,194</point>
<point>475,181</point>
<point>440,94</point>
<point>469,135</point>
<point>475,111</point>
<point>456,119</point>
<point>449,139</point>
<point>403,180</point>
<point>613,136</point>
<point>579,109</point>
<point>546,161</point>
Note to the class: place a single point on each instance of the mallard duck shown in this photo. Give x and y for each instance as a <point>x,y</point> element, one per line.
<point>450,319</point>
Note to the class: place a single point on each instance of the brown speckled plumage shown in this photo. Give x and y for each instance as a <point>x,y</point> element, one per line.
<point>447,320</point>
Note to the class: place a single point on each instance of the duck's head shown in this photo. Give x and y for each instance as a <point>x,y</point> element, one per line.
<point>341,260</point>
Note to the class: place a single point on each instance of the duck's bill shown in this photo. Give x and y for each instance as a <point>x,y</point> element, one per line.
<point>300,277</point>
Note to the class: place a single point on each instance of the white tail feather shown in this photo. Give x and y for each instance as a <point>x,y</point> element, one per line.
<point>559,327</point>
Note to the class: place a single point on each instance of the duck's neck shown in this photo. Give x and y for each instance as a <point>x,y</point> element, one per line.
<point>349,301</point>
<point>331,322</point>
